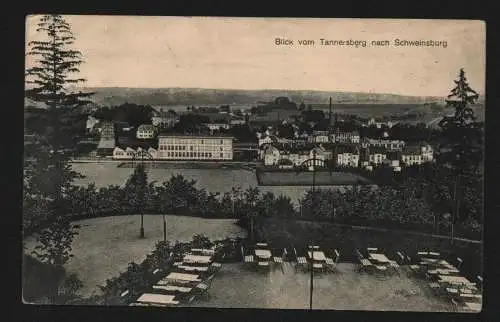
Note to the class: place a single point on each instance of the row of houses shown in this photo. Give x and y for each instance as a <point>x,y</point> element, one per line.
<point>323,137</point>
<point>350,156</point>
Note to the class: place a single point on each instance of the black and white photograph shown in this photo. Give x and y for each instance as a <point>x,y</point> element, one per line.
<point>260,163</point>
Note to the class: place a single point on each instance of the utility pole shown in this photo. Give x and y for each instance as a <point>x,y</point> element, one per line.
<point>164,229</point>
<point>330,112</point>
<point>456,211</point>
<point>142,206</point>
<point>312,239</point>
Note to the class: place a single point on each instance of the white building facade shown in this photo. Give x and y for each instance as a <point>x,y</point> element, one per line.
<point>348,159</point>
<point>186,147</point>
<point>427,153</point>
<point>391,145</point>
<point>145,131</point>
<point>217,126</point>
<point>345,137</point>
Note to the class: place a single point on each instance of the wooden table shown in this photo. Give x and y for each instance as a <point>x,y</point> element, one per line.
<point>473,306</point>
<point>183,277</point>
<point>454,280</point>
<point>317,255</point>
<point>381,258</point>
<point>263,253</point>
<point>194,268</point>
<point>439,271</point>
<point>157,299</point>
<point>197,259</point>
<point>173,288</point>
<point>203,251</point>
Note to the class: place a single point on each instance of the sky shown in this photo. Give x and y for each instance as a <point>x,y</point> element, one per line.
<point>241,53</point>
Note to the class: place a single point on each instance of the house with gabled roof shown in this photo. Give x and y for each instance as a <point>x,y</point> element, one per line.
<point>411,155</point>
<point>377,155</point>
<point>347,155</point>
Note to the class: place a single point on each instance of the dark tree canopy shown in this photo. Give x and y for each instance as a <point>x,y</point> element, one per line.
<point>129,113</point>
<point>311,115</point>
<point>286,131</point>
<point>243,133</point>
<point>191,123</point>
<point>136,187</point>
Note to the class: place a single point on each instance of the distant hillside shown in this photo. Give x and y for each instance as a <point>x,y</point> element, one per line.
<point>199,96</point>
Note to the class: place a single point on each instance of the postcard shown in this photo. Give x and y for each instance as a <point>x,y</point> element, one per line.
<point>278,163</point>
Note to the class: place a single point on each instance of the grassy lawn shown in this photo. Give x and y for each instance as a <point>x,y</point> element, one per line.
<point>237,287</point>
<point>291,233</point>
<point>105,246</point>
<point>270,178</point>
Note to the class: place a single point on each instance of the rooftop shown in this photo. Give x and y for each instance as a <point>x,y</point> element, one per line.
<point>411,150</point>
<point>377,150</point>
<point>145,127</point>
<point>195,136</point>
<point>347,149</point>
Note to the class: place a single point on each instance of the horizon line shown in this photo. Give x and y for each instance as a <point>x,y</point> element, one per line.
<point>272,89</point>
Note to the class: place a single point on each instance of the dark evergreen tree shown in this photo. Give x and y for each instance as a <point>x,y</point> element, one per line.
<point>48,81</point>
<point>462,147</point>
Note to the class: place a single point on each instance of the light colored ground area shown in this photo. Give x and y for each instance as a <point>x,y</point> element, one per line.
<point>238,287</point>
<point>105,246</point>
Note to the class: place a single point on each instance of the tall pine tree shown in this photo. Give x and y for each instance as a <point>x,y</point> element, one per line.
<point>48,81</point>
<point>463,136</point>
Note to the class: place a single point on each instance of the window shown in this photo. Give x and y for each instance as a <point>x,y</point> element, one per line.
<point>221,142</point>
<point>191,148</point>
<point>201,141</point>
<point>222,155</point>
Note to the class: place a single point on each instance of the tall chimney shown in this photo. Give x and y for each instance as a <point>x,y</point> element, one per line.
<point>330,111</point>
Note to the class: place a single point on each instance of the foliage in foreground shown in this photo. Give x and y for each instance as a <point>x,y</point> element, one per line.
<point>138,278</point>
<point>45,283</point>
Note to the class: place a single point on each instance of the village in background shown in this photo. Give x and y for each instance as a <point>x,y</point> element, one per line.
<point>281,133</point>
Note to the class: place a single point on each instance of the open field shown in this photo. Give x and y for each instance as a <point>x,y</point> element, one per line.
<point>237,287</point>
<point>274,178</point>
<point>105,246</point>
<point>104,174</point>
